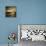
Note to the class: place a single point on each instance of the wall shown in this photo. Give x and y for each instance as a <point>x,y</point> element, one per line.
<point>8,25</point>
<point>28,12</point>
<point>33,12</point>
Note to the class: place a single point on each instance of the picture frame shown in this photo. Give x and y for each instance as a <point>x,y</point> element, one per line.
<point>10,11</point>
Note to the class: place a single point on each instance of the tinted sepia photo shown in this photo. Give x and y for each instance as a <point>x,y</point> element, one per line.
<point>10,11</point>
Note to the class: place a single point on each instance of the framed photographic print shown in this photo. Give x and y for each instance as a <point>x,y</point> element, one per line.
<point>32,32</point>
<point>10,11</point>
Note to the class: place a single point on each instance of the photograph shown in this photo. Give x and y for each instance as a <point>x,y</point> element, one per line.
<point>30,34</point>
<point>10,11</point>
